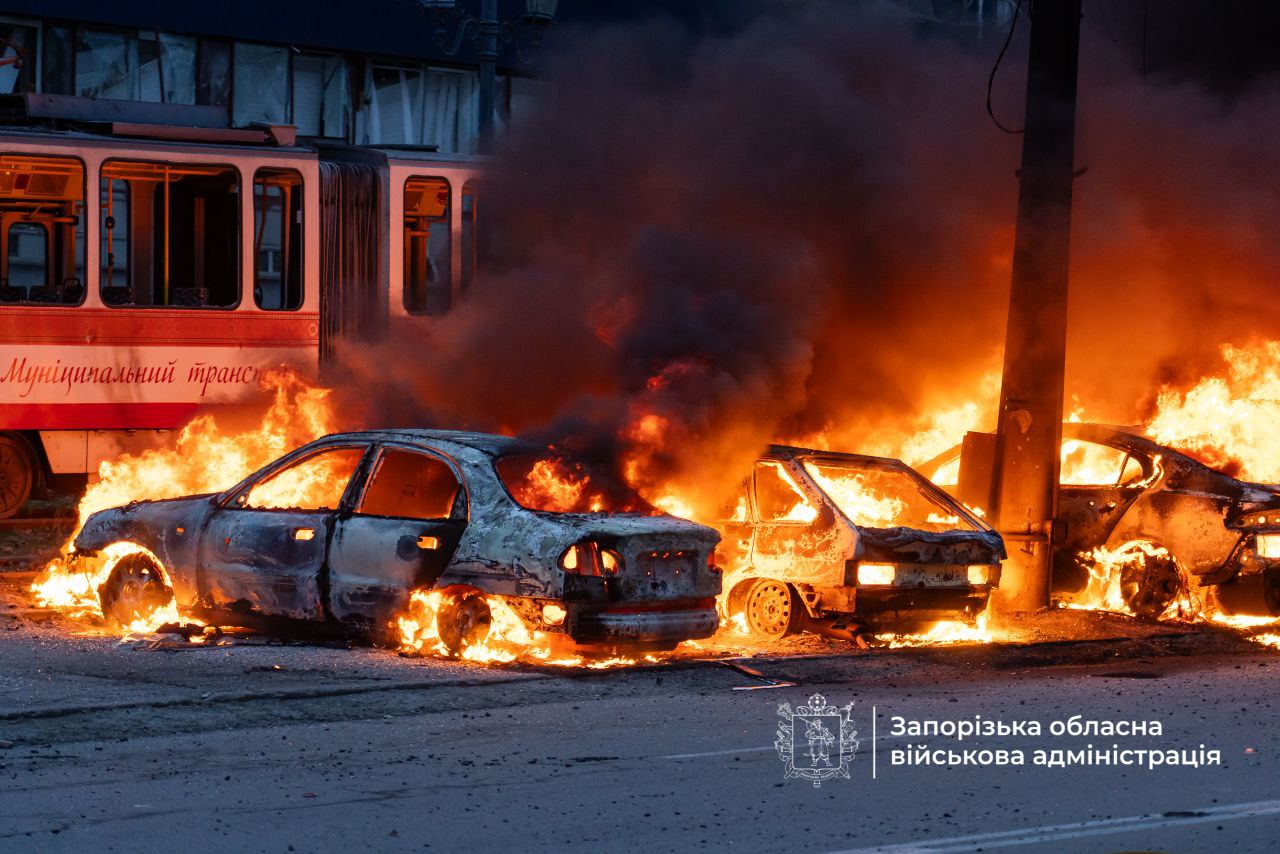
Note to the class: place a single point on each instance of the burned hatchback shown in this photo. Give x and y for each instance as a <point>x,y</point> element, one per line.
<point>1142,526</point>
<point>340,532</point>
<point>844,542</point>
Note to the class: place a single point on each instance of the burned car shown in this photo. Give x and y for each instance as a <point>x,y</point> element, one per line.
<point>1169,525</point>
<point>851,543</point>
<point>339,532</point>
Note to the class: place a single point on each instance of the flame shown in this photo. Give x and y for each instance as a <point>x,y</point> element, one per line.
<point>1229,421</point>
<point>856,499</point>
<point>509,639</point>
<point>942,633</point>
<point>205,458</point>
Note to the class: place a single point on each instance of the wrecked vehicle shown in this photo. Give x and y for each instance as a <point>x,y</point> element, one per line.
<point>849,543</point>
<point>339,532</point>
<point>1171,527</point>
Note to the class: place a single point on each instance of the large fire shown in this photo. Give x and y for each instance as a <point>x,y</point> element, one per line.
<point>205,458</point>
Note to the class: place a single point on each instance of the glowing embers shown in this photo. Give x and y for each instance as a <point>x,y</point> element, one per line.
<point>462,623</point>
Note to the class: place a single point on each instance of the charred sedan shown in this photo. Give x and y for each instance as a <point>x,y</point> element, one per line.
<point>339,533</point>
<point>850,542</point>
<point>1170,527</point>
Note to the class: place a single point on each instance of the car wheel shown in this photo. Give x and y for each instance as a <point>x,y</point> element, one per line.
<point>1150,583</point>
<point>770,608</point>
<point>135,589</point>
<point>17,473</point>
<point>463,620</point>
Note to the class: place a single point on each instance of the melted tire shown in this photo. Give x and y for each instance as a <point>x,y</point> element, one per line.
<point>135,587</point>
<point>463,620</point>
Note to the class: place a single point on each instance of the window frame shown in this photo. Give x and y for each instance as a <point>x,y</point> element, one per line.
<point>405,242</point>
<point>240,492</point>
<point>301,229</point>
<point>82,263</point>
<point>380,451</point>
<point>238,276</point>
<point>798,483</point>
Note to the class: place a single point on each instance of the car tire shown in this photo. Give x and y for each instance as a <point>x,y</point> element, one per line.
<point>1150,586</point>
<point>771,608</point>
<point>17,473</point>
<point>463,620</point>
<point>135,588</point>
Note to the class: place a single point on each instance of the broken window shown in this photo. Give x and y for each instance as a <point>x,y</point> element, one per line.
<point>277,239</point>
<point>17,58</point>
<point>320,97</point>
<point>260,85</point>
<point>778,496</point>
<point>316,482</point>
<point>106,65</point>
<point>1090,464</point>
<point>878,496</point>
<point>213,77</point>
<point>410,485</point>
<point>170,234</point>
<point>556,484</point>
<point>413,106</point>
<point>177,56</point>
<point>428,262</point>
<point>42,227</point>
<point>58,48</point>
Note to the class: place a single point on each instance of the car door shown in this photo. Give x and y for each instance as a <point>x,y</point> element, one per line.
<point>263,551</point>
<point>400,535</point>
<point>1097,483</point>
<point>797,537</point>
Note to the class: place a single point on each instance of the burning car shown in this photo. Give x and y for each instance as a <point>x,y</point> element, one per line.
<point>1139,522</point>
<point>340,532</point>
<point>849,542</point>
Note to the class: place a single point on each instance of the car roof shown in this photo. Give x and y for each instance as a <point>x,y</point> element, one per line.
<point>488,443</point>
<point>791,452</point>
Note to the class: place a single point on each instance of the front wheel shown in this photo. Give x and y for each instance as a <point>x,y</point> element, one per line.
<point>770,609</point>
<point>135,590</point>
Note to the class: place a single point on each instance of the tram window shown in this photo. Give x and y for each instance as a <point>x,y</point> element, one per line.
<point>468,234</point>
<point>428,262</point>
<point>42,230</point>
<point>277,239</point>
<point>170,234</point>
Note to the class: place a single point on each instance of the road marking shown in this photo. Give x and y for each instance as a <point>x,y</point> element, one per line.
<point>1076,830</point>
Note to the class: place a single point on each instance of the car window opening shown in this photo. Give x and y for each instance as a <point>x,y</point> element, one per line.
<point>411,485</point>
<point>314,483</point>
<point>876,497</point>
<point>554,484</point>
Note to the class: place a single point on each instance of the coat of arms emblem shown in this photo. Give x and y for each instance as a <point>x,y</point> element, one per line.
<point>816,742</point>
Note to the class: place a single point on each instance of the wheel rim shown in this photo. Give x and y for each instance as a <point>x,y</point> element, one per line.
<point>769,608</point>
<point>465,621</point>
<point>1149,587</point>
<point>137,590</point>
<point>15,477</point>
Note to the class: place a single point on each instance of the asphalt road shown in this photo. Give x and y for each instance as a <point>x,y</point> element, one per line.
<point>267,747</point>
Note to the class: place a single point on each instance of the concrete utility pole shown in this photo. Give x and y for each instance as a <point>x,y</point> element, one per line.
<point>1029,431</point>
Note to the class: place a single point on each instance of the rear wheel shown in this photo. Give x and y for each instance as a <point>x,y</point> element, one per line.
<point>770,608</point>
<point>17,473</point>
<point>463,620</point>
<point>135,589</point>
<point>1150,583</point>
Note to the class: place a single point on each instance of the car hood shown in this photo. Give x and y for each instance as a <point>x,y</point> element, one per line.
<point>911,545</point>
